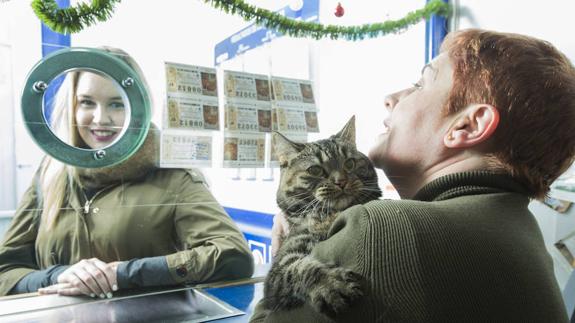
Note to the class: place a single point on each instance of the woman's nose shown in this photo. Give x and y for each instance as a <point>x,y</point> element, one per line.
<point>390,101</point>
<point>100,115</point>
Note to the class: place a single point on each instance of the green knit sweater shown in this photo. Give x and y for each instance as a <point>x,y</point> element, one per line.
<point>465,249</point>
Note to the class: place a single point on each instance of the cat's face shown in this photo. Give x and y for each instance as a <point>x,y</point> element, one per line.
<point>325,176</point>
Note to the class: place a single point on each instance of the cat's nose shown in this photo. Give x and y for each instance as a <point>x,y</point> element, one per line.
<point>339,179</point>
<point>341,183</point>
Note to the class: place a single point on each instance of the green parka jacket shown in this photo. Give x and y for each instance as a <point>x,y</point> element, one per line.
<point>164,212</point>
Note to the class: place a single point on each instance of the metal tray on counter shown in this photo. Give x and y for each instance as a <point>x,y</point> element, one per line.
<point>174,305</point>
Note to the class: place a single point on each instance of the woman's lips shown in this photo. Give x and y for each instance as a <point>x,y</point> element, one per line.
<point>385,126</point>
<point>385,130</point>
<point>103,135</point>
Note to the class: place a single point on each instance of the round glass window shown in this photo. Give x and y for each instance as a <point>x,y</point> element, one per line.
<point>86,107</point>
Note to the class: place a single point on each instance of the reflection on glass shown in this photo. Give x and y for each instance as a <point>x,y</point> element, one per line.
<point>86,109</point>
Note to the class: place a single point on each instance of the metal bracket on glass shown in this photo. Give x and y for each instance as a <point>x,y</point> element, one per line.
<point>102,63</point>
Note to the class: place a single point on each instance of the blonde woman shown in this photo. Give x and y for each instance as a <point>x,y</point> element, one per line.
<point>94,231</point>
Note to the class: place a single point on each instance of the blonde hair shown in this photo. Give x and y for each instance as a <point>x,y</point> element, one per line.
<point>57,180</point>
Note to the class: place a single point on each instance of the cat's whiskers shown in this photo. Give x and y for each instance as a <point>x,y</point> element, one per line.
<point>369,182</point>
<point>319,207</point>
<point>366,195</point>
<point>309,206</point>
<point>303,210</point>
<point>292,204</point>
<point>369,193</point>
<point>369,189</point>
<point>295,196</point>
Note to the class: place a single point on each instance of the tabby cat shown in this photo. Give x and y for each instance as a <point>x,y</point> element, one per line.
<point>318,180</point>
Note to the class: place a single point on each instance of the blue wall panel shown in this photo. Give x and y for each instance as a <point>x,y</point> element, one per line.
<point>436,29</point>
<point>256,227</point>
<point>51,42</point>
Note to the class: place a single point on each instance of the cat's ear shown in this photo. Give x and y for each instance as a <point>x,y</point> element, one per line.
<point>347,134</point>
<point>285,148</point>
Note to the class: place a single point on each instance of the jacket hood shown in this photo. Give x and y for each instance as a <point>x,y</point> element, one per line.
<point>136,167</point>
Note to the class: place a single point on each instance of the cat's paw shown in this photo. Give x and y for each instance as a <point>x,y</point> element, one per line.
<point>336,291</point>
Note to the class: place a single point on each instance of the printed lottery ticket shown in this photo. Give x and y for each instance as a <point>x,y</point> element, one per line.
<point>179,149</point>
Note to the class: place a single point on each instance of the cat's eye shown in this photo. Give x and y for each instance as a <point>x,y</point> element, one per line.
<point>315,170</point>
<point>349,164</point>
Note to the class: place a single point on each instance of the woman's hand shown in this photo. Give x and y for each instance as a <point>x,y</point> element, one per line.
<point>91,277</point>
<point>280,230</point>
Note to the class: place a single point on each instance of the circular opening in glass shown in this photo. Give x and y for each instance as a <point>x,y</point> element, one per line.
<point>86,109</point>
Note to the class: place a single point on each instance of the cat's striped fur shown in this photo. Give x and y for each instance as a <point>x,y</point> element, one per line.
<point>318,180</point>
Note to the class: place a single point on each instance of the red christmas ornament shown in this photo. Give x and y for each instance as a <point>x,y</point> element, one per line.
<point>339,10</point>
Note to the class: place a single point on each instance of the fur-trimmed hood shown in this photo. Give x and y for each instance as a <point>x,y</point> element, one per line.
<point>136,167</point>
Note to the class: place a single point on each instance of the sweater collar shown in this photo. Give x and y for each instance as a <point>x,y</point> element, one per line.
<point>468,183</point>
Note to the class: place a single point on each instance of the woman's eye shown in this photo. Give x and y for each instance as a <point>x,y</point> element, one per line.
<point>315,171</point>
<point>417,86</point>
<point>349,164</point>
<point>87,103</point>
<point>117,105</point>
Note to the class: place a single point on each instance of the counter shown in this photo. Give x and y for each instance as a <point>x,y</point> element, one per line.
<point>223,302</point>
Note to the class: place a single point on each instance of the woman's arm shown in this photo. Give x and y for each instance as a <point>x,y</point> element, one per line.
<point>17,251</point>
<point>144,272</point>
<point>19,271</point>
<point>37,279</point>
<point>212,246</point>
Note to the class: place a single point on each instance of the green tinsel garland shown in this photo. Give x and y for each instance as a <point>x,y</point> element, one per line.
<point>71,20</point>
<point>294,28</point>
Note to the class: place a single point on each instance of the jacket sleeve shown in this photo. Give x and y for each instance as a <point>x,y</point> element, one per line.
<point>37,279</point>
<point>144,272</point>
<point>213,248</point>
<point>17,251</point>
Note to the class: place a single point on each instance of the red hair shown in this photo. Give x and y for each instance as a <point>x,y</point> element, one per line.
<point>532,85</point>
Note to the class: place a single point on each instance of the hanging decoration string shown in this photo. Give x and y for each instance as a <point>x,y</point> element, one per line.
<point>294,28</point>
<point>74,19</point>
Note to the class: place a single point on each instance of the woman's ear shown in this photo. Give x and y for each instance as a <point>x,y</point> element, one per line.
<point>474,125</point>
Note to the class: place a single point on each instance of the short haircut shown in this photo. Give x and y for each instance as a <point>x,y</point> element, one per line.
<point>532,85</point>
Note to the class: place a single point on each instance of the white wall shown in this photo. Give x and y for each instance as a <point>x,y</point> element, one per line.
<point>21,45</point>
<point>551,20</point>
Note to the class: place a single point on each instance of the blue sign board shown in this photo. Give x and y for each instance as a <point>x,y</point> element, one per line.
<point>257,229</point>
<point>51,42</point>
<point>254,35</point>
<point>436,28</point>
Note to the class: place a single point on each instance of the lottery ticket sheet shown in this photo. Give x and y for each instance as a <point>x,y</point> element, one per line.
<point>184,149</point>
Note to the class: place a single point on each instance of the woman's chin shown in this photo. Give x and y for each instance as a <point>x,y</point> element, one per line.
<point>99,143</point>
